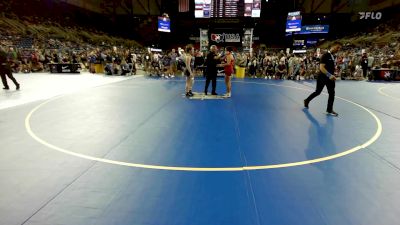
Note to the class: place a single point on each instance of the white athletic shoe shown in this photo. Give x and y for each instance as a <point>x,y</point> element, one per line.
<point>332,113</point>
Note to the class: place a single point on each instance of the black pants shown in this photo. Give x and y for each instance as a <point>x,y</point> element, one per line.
<point>365,72</point>
<point>3,73</point>
<point>323,80</point>
<point>212,78</point>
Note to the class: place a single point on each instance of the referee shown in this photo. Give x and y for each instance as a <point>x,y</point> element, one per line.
<point>211,70</point>
<point>326,77</point>
<point>5,69</point>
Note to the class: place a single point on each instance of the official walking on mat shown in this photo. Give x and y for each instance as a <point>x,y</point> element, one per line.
<point>5,70</point>
<point>326,77</point>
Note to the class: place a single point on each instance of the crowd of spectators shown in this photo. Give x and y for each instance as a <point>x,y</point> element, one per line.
<point>360,54</point>
<point>353,62</point>
<point>33,45</point>
<point>40,55</point>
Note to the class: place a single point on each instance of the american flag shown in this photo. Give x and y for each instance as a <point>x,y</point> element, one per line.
<point>183,5</point>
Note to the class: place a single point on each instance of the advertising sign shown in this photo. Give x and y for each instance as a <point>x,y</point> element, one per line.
<point>164,24</point>
<point>225,38</point>
<point>203,39</point>
<point>370,15</point>
<point>314,29</point>
<point>298,42</point>
<point>293,22</point>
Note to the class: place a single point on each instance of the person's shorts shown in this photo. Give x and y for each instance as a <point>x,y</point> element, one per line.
<point>228,72</point>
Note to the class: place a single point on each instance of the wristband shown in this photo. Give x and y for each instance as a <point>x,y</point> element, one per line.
<point>329,75</point>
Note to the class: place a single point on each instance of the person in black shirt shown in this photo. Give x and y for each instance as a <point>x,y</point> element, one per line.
<point>364,64</point>
<point>5,70</point>
<point>211,70</point>
<point>326,77</point>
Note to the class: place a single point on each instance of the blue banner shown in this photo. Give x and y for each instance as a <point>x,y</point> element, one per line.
<point>293,25</point>
<point>315,29</point>
<point>164,24</point>
<point>293,22</point>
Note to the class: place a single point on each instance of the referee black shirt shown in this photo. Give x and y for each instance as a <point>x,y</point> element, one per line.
<point>211,64</point>
<point>3,60</point>
<point>329,62</point>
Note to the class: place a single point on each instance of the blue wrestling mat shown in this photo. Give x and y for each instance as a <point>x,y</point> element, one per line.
<point>138,152</point>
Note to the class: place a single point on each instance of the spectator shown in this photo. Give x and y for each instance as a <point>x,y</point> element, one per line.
<point>281,70</point>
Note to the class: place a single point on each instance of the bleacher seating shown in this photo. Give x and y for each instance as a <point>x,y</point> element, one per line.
<point>25,43</point>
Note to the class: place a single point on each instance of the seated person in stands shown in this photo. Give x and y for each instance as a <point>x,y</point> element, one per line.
<point>66,59</point>
<point>74,58</point>
<point>25,62</point>
<point>117,64</point>
<point>155,64</point>
<point>125,70</point>
<point>109,66</point>
<point>108,69</point>
<point>36,65</point>
<point>16,66</point>
<point>92,60</point>
<point>42,59</point>
<point>281,70</point>
<point>385,65</point>
<point>135,59</point>
<point>252,66</point>
<point>358,73</point>
<point>129,62</point>
<point>55,58</point>
<point>83,60</point>
<point>269,70</point>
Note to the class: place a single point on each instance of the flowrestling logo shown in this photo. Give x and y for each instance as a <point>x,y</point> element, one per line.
<point>370,15</point>
<point>225,37</point>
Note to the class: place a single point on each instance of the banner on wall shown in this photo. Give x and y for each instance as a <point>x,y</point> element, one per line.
<point>204,39</point>
<point>225,37</point>
<point>248,40</point>
<point>314,29</point>
<point>228,37</point>
<point>293,22</point>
